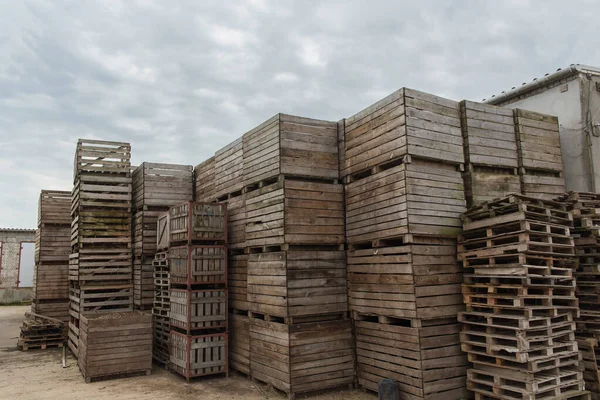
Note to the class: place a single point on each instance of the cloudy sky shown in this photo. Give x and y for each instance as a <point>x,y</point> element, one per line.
<point>180,79</point>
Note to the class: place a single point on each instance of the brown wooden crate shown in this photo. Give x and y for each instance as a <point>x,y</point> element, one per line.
<point>202,355</point>
<point>159,185</point>
<point>204,181</point>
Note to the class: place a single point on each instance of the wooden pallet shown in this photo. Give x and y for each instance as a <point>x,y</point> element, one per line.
<point>407,122</point>
<point>297,284</point>
<point>193,311</point>
<point>161,185</point>
<point>40,331</point>
<point>194,265</point>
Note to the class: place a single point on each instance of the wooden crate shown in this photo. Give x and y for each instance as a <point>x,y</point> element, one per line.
<point>101,267</point>
<point>295,212</point>
<point>416,196</point>
<point>484,183</point>
<point>297,284</point>
<point>423,356</point>
<point>406,281</point>
<point>239,342</point>
<point>407,122</point>
<point>116,344</point>
<point>542,184</point>
<point>145,224</point>
<point>237,281</point>
<point>53,244</point>
<point>161,185</point>
<point>103,299</point>
<point>292,146</point>
<point>193,311</point>
<point>195,265</point>
<point>193,356</point>
<point>204,181</point>
<point>302,358</point>
<point>143,282</point>
<point>229,169</point>
<point>51,281</point>
<point>58,308</point>
<point>191,222</point>
<point>100,156</point>
<point>162,231</point>
<point>236,225</point>
<point>54,208</point>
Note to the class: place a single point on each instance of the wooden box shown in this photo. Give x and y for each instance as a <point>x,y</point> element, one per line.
<point>53,244</point>
<point>192,222</point>
<point>161,185</point>
<point>145,225</point>
<point>100,156</point>
<point>484,183</point>
<point>194,265</point>
<point>51,282</point>
<point>239,342</point>
<point>237,277</point>
<point>115,344</point>
<point>416,196</point>
<point>423,357</point>
<point>297,284</point>
<point>196,310</point>
<point>292,146</point>
<point>204,181</point>
<point>229,169</point>
<point>406,281</point>
<point>236,226</point>
<point>202,355</point>
<point>143,282</point>
<point>538,141</point>
<point>162,232</point>
<point>407,122</point>
<point>101,299</point>
<point>302,358</point>
<point>54,208</point>
<point>295,212</point>
<point>58,309</point>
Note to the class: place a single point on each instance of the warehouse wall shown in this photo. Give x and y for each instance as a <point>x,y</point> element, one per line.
<point>11,253</point>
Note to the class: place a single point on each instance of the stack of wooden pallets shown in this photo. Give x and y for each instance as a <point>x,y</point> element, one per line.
<point>586,234</point>
<point>52,249</point>
<point>540,157</point>
<point>519,326</point>
<point>492,162</point>
<point>41,332</point>
<point>156,187</point>
<point>100,264</point>
<point>197,259</point>
<point>404,196</point>
<point>160,308</point>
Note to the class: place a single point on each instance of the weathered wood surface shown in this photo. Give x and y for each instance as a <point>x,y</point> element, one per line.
<point>204,181</point>
<point>297,283</point>
<point>192,222</point>
<point>193,265</point>
<point>54,208</point>
<point>143,282</point>
<point>53,244</point>
<point>236,225</point>
<point>51,282</point>
<point>290,145</point>
<point>426,362</point>
<point>115,344</point>
<point>229,168</point>
<point>58,309</point>
<point>239,342</point>
<point>304,357</point>
<point>193,311</point>
<point>162,232</point>
<point>100,156</point>
<point>483,183</point>
<point>538,140</point>
<point>295,212</point>
<point>237,275</point>
<point>418,197</point>
<point>161,185</point>
<point>202,355</point>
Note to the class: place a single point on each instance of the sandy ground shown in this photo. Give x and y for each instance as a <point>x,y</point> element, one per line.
<point>38,374</point>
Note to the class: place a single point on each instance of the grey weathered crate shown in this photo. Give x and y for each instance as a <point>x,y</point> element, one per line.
<point>193,221</point>
<point>229,168</point>
<point>192,311</point>
<point>204,181</point>
<point>201,355</point>
<point>161,185</point>
<point>194,265</point>
<point>54,208</point>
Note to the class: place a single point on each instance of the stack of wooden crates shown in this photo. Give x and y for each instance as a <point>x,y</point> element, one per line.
<point>52,249</point>
<point>156,187</point>
<point>100,270</point>
<point>403,160</point>
<point>197,259</point>
<point>519,326</point>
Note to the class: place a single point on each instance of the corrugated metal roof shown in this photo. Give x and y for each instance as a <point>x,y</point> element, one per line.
<point>17,230</point>
<point>537,83</point>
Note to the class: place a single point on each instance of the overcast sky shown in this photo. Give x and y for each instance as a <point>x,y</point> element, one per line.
<point>180,79</point>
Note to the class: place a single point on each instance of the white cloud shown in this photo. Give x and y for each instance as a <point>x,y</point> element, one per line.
<point>286,77</point>
<point>310,53</point>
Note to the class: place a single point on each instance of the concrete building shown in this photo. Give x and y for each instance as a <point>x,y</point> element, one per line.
<point>16,264</point>
<point>573,95</point>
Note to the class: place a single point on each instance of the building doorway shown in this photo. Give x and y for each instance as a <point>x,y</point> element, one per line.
<point>26,265</point>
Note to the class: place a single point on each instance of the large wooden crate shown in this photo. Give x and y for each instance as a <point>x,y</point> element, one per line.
<point>100,156</point>
<point>113,345</point>
<point>193,311</point>
<point>51,281</point>
<point>195,265</point>
<point>193,356</point>
<point>540,156</point>
<point>236,226</point>
<point>229,169</point>
<point>143,282</point>
<point>302,358</point>
<point>295,212</point>
<point>237,281</point>
<point>416,196</point>
<point>54,208</point>
<point>484,183</point>
<point>101,299</point>
<point>423,357</point>
<point>53,244</point>
<point>161,185</point>
<point>407,122</point>
<point>53,308</point>
<point>297,284</point>
<point>192,221</point>
<point>406,281</point>
<point>290,145</point>
<point>204,181</point>
<point>239,342</point>
<point>99,267</point>
<point>145,225</point>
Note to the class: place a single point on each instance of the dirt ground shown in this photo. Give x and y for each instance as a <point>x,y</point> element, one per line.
<point>38,374</point>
